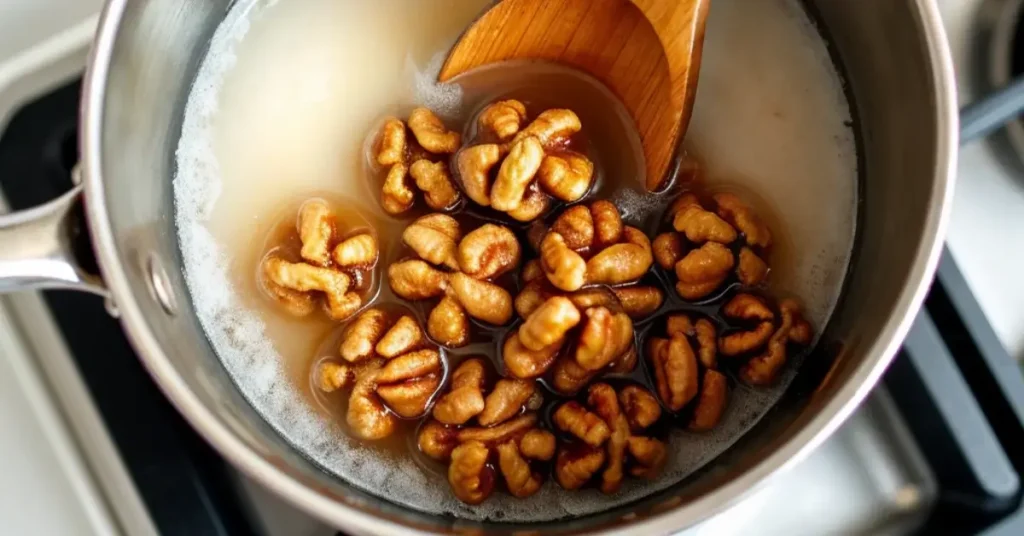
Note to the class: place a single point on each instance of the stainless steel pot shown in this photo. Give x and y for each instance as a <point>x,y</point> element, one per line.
<point>900,80</point>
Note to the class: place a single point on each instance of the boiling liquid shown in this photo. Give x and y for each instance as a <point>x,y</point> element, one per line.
<point>282,109</point>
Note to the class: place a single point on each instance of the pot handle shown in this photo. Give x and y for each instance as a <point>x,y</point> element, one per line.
<point>39,248</point>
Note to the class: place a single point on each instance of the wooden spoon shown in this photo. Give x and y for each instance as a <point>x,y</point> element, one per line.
<point>646,51</point>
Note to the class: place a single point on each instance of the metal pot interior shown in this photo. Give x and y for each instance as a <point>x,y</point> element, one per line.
<point>898,83</point>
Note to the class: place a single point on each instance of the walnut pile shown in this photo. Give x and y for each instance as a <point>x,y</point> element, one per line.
<point>505,434</point>
<point>392,368</point>
<point>459,270</point>
<point>590,245</point>
<point>333,264</point>
<point>576,336</point>
<point>421,157</point>
<point>763,335</point>
<point>608,433</point>
<point>685,369</point>
<point>518,170</point>
<point>707,246</point>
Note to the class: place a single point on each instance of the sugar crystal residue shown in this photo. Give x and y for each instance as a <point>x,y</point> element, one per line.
<point>281,107</point>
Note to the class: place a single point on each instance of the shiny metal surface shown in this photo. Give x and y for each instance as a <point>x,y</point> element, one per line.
<point>899,77</point>
<point>37,251</point>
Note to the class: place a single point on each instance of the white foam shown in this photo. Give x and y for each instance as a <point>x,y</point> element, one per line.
<point>212,173</point>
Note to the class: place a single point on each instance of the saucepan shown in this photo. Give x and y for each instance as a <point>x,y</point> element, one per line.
<point>899,76</point>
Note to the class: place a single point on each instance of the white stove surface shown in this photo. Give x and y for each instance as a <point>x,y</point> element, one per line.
<point>77,485</point>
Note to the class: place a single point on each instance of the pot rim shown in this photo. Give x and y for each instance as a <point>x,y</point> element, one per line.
<point>321,505</point>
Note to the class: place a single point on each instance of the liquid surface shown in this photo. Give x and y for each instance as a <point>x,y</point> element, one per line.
<point>282,109</point>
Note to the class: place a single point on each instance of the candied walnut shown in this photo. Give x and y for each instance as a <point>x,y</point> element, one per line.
<point>649,456</point>
<point>706,341</point>
<point>551,127</point>
<point>574,467</point>
<point>668,249</point>
<point>516,173</point>
<point>710,403</point>
<point>573,418</point>
<point>751,270</point>
<point>501,432</point>
<point>302,277</point>
<point>437,441</point>
<point>604,337</point>
<point>488,251</point>
<point>433,238</point>
<point>431,133</point>
<point>522,362</point>
<point>639,301</point>
<point>466,398</point>
<point>703,270</point>
<point>621,263</point>
<point>532,271</point>
<point>506,400</point>
<point>623,416</point>
<point>535,203</point>
<point>742,217</point>
<point>679,324</point>
<point>407,382</point>
<point>751,308</point>
<point>332,376</point>
<point>474,165</point>
<point>700,225</point>
<point>404,336</point>
<point>416,280</point>
<point>741,342</point>
<point>396,195</point>
<point>520,479</point>
<point>391,143</point>
<point>764,368</point>
<point>483,300</point>
<point>433,179</point>
<point>316,230</point>
<point>357,252</point>
<point>531,297</point>
<point>548,324</point>
<point>576,225</point>
<point>293,302</point>
<point>568,377</point>
<point>675,371</point>
<point>641,408</point>
<point>503,118</point>
<point>608,226</point>
<point>566,177</point>
<point>367,417</point>
<point>537,445</point>
<point>470,476</point>
<point>448,323</point>
<point>605,403</point>
<point>361,336</point>
<point>626,362</point>
<point>563,267</point>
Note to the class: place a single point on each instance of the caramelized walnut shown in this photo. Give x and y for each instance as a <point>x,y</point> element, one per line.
<point>703,270</point>
<point>549,323</point>
<point>519,478</point>
<point>362,335</point>
<point>407,382</point>
<point>503,118</point>
<point>700,225</point>
<point>702,330</point>
<point>640,301</point>
<point>736,212</point>
<point>367,417</point>
<point>470,476</point>
<point>746,307</point>
<point>534,164</point>
<point>590,245</point>
<point>434,180</point>
<point>604,337</point>
<point>485,253</point>
<point>506,400</point>
<point>609,438</point>
<point>326,268</point>
<point>710,403</point>
<point>668,249</point>
<point>751,270</point>
<point>332,376</point>
<point>522,362</point>
<point>675,370</point>
<point>764,368</point>
<point>431,133</point>
<point>465,400</point>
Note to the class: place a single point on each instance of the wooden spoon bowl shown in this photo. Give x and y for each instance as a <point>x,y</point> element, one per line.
<point>646,51</point>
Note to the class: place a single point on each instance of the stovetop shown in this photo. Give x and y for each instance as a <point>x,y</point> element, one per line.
<point>929,450</point>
